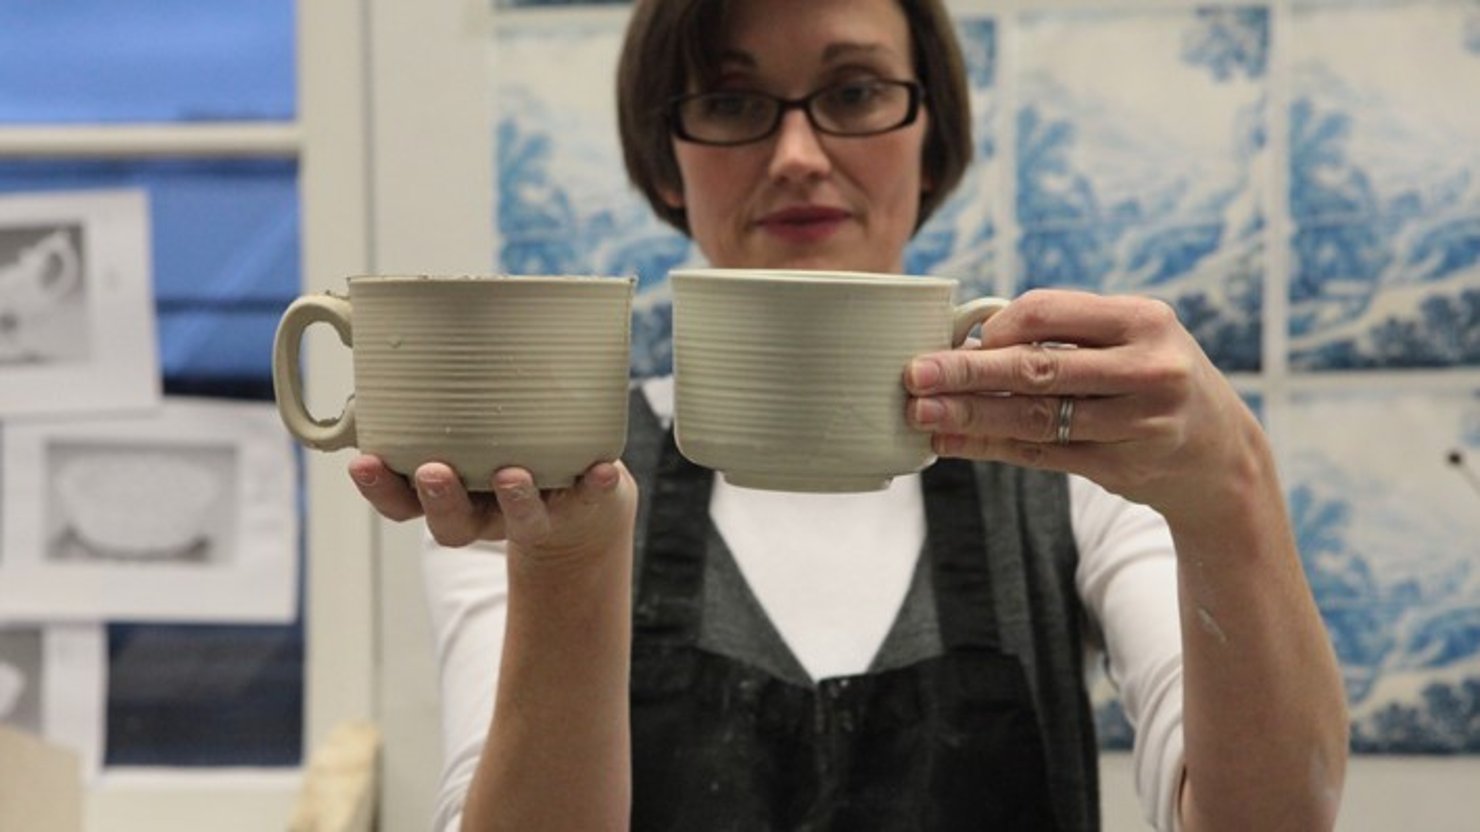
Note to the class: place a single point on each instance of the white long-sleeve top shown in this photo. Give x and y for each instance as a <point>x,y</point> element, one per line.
<point>863,547</point>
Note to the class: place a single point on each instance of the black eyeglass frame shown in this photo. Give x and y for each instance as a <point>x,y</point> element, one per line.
<point>915,89</point>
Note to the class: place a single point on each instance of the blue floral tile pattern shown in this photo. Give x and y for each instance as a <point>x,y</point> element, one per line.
<point>1385,501</point>
<point>1385,186</point>
<point>960,241</point>
<point>1140,157</point>
<point>564,205</point>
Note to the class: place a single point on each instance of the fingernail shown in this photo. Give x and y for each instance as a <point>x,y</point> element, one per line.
<point>435,489</point>
<point>928,411</point>
<point>607,479</point>
<point>924,375</point>
<point>516,492</point>
<point>365,478</point>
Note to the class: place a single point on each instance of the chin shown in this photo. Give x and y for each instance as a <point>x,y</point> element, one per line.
<point>833,259</point>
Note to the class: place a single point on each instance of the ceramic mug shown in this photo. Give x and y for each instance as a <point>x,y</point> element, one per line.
<point>793,380</point>
<point>479,372</point>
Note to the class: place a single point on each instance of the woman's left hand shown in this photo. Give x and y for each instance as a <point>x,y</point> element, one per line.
<point>1149,416</point>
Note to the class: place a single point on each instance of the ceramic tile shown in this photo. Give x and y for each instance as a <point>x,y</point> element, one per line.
<point>1384,174</point>
<point>1140,157</point>
<point>1384,492</point>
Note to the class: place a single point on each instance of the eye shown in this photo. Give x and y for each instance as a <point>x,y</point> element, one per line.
<point>730,105</point>
<point>853,95</point>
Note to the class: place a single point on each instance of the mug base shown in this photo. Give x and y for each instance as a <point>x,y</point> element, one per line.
<point>808,483</point>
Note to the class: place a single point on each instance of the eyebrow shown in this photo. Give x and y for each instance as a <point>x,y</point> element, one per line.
<point>833,51</point>
<point>844,49</point>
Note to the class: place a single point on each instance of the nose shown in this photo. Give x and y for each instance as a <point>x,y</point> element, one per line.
<point>798,154</point>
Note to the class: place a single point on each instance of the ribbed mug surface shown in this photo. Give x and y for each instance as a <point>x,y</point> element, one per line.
<point>489,372</point>
<point>479,372</point>
<point>794,380</point>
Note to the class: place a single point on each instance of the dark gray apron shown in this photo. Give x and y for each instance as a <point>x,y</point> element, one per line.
<point>728,733</point>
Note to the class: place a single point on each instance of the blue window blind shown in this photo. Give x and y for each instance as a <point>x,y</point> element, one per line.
<point>115,61</point>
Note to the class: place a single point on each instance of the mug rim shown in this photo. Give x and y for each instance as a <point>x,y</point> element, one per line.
<point>489,278</point>
<point>817,276</point>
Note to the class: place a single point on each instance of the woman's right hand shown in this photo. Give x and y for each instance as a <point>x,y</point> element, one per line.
<point>586,517</point>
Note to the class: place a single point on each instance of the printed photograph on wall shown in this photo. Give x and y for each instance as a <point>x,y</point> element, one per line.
<point>52,685</point>
<point>43,301</point>
<point>1384,186</point>
<point>20,678</point>
<point>1384,491</point>
<point>99,513</point>
<point>1141,162</point>
<point>76,304</point>
<point>183,515</point>
<point>564,205</point>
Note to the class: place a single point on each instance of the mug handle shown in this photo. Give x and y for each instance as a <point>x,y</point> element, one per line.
<point>57,245</point>
<point>287,375</point>
<point>973,312</point>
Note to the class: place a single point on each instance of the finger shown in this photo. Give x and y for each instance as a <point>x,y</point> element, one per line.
<point>1036,418</point>
<point>1014,451</point>
<point>454,517</point>
<point>593,486</point>
<point>1072,317</point>
<point>387,492</point>
<point>526,520</point>
<point>597,481</point>
<point>1024,369</point>
<point>1112,465</point>
<point>1094,461</point>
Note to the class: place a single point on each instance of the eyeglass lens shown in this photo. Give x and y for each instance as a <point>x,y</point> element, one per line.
<point>848,109</point>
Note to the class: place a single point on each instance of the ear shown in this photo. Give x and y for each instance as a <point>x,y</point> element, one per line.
<point>672,197</point>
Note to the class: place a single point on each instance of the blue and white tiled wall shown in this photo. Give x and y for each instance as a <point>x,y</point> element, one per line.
<point>1301,180</point>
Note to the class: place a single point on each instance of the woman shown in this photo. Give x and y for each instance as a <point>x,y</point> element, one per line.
<point>906,659</point>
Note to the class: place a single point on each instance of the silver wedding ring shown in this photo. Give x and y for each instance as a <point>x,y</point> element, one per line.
<point>1066,419</point>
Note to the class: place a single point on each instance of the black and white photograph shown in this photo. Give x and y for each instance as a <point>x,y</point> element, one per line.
<point>20,678</point>
<point>185,514</point>
<point>77,319</point>
<point>141,504</point>
<point>52,685</point>
<point>43,298</point>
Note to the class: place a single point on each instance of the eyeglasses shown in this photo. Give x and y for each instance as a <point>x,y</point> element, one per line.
<point>852,108</point>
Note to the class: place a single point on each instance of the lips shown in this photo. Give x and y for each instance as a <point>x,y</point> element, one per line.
<point>803,223</point>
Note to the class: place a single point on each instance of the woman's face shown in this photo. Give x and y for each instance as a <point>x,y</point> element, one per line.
<point>799,198</point>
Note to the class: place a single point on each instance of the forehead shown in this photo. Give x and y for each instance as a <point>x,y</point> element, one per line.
<point>814,31</point>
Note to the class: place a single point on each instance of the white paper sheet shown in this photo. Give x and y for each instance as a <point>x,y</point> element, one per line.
<point>53,684</point>
<point>185,514</point>
<point>77,329</point>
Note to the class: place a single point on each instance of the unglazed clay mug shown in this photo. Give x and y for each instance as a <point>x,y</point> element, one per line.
<point>479,372</point>
<point>793,380</point>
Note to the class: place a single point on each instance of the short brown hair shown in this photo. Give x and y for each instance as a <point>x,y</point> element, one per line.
<point>670,41</point>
